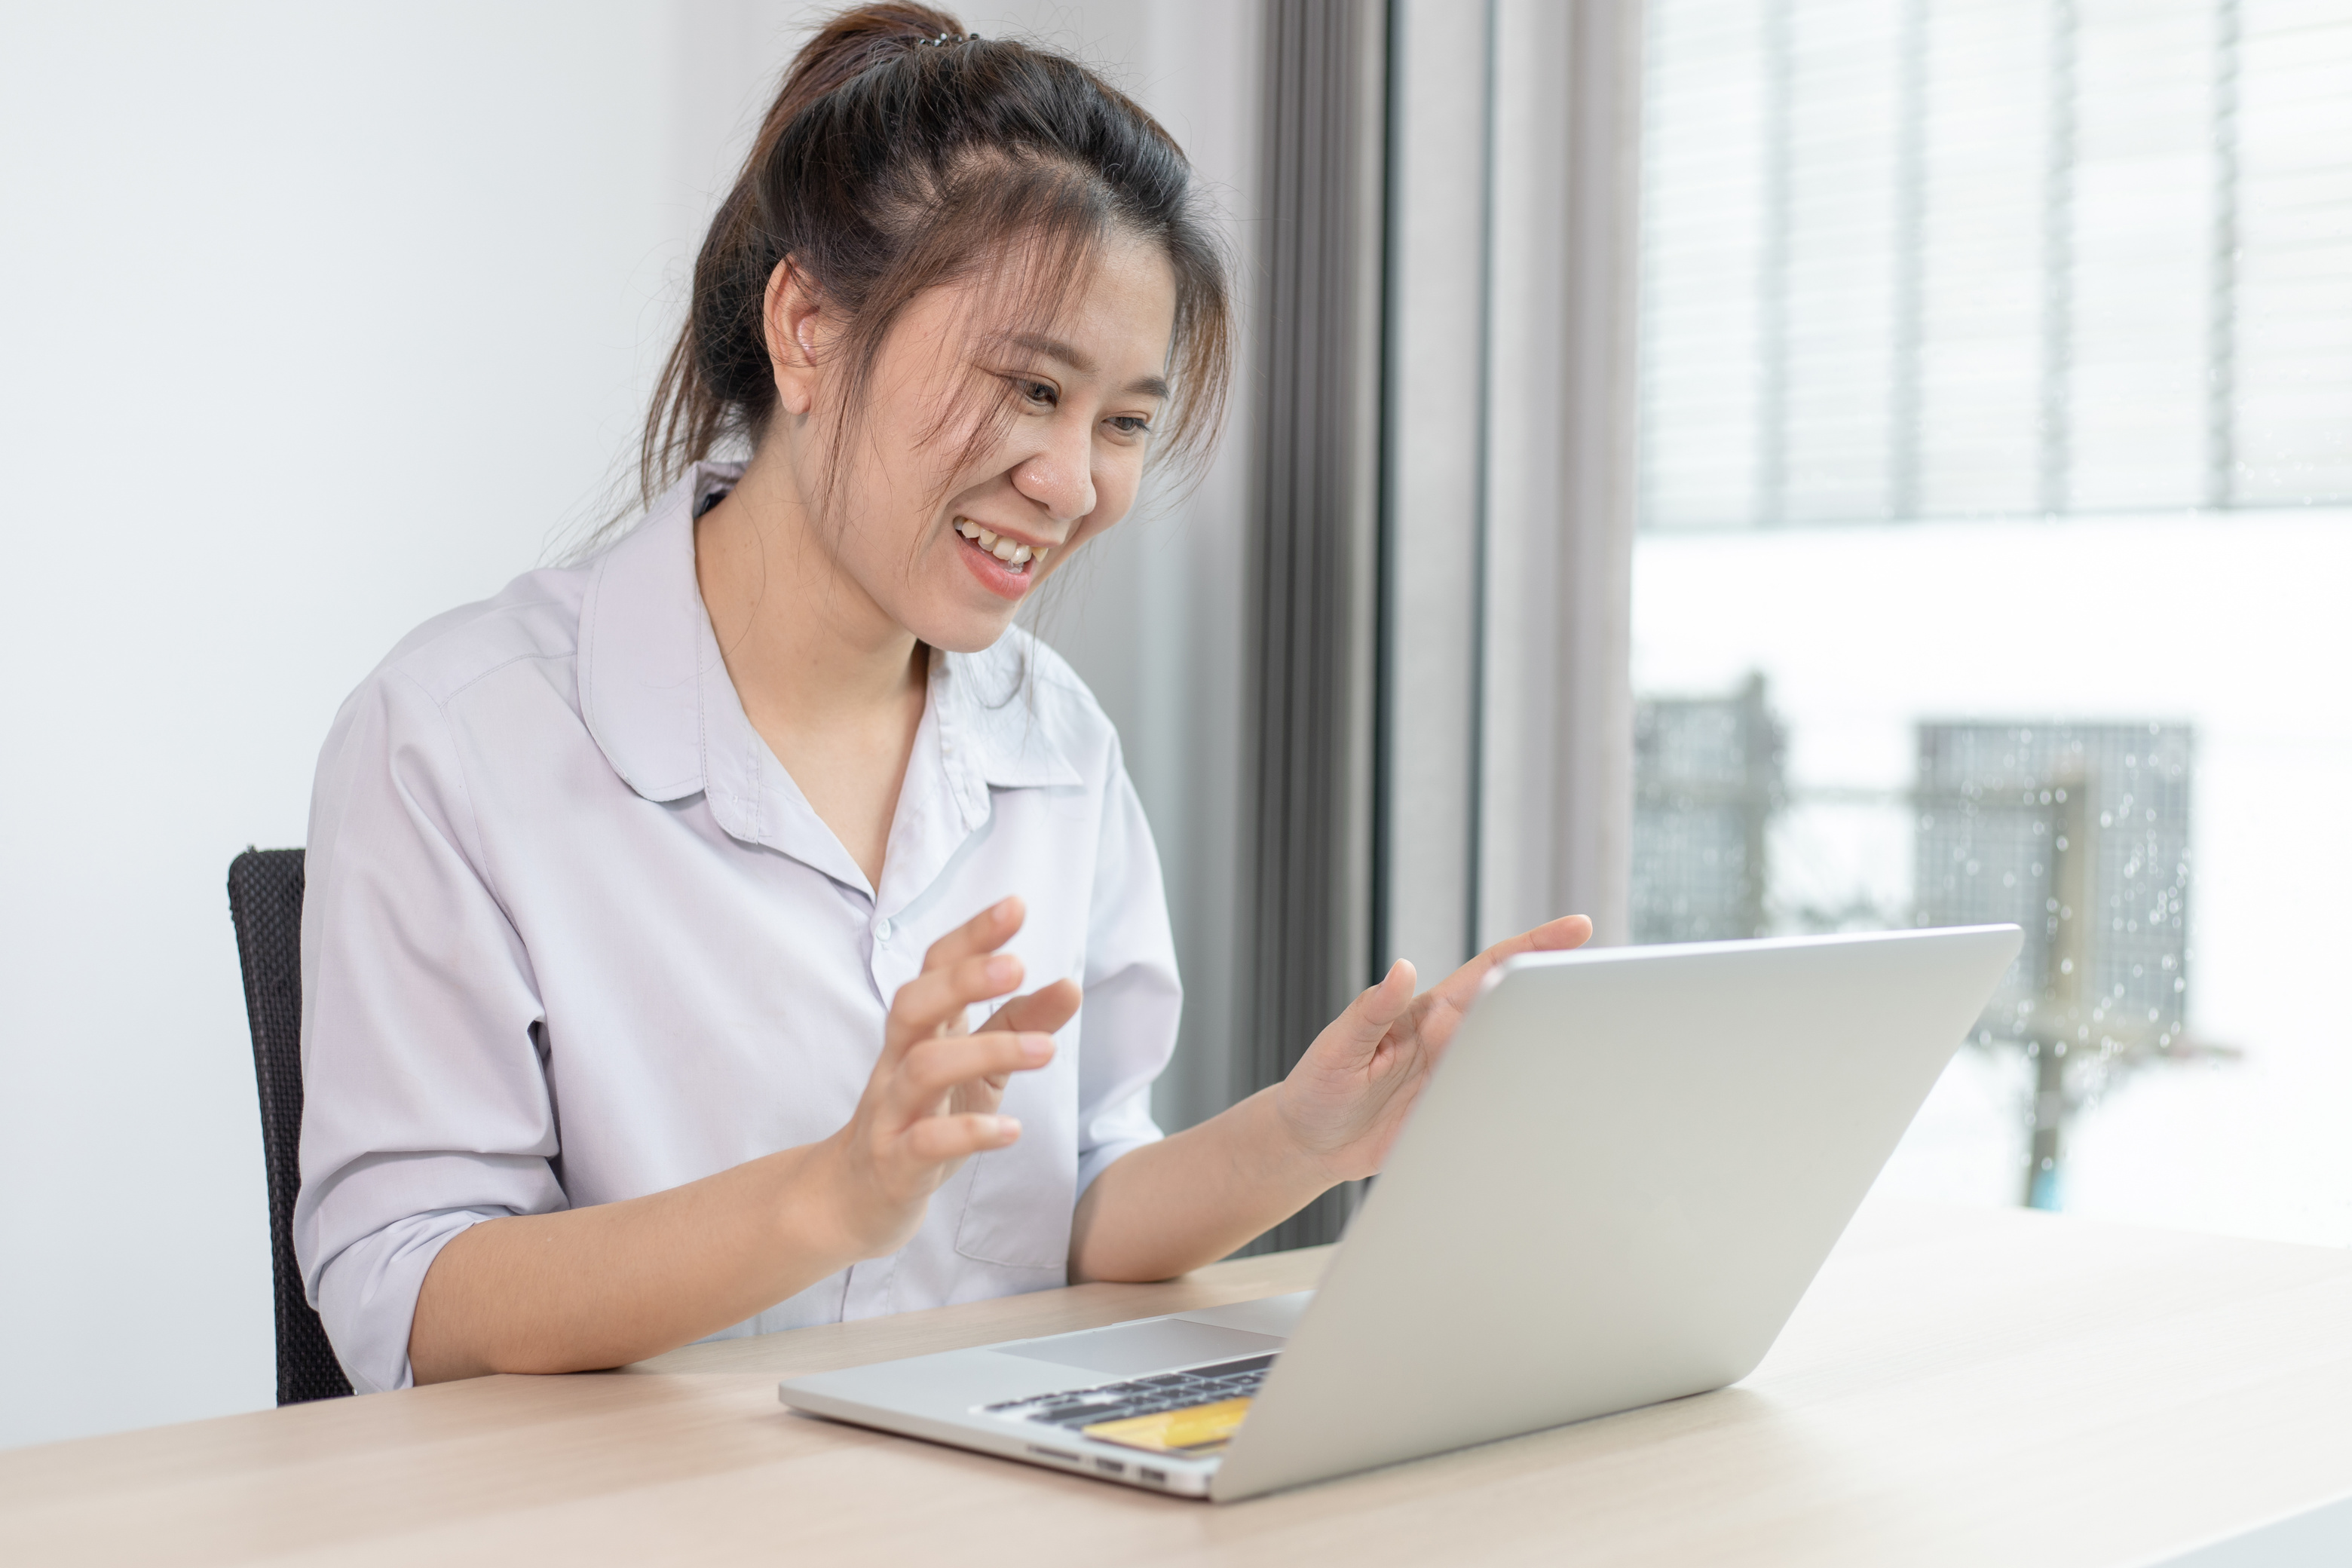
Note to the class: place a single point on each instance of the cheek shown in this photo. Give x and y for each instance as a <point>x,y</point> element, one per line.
<point>895,486</point>
<point>880,533</point>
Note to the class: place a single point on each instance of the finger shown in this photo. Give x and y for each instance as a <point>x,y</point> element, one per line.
<point>1457,989</point>
<point>936,998</point>
<point>936,1140</point>
<point>984,933</point>
<point>1042,1012</point>
<point>1367,1017</point>
<point>935,1067</point>
<point>1559,935</point>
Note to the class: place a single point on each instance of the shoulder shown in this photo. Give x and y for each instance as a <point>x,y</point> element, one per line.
<point>449,698</point>
<point>482,670</point>
<point>1031,686</point>
<point>1021,655</point>
<point>534,619</point>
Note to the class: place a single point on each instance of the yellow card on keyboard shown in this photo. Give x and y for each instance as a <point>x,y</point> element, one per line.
<point>1202,1429</point>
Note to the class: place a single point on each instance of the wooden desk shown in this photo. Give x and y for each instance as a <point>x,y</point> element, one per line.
<point>1960,1387</point>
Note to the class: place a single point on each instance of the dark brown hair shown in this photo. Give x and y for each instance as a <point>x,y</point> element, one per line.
<point>902,155</point>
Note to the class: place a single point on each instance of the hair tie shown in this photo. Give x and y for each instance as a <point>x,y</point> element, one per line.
<point>944,39</point>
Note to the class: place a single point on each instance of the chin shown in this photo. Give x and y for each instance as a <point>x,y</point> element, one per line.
<point>961,632</point>
<point>967,607</point>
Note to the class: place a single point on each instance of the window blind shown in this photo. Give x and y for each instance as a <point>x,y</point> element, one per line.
<point>1933,258</point>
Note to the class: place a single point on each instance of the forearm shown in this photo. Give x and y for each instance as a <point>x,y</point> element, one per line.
<point>1194,1197</point>
<point>601,1286</point>
<point>614,1283</point>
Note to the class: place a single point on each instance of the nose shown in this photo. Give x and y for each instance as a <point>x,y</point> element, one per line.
<point>1059,476</point>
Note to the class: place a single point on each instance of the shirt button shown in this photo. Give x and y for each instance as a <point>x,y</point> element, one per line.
<point>882,929</point>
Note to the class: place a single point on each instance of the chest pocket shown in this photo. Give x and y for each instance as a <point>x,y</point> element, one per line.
<point>1018,1213</point>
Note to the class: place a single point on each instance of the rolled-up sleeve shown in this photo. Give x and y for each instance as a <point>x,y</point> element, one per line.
<point>1132,997</point>
<point>426,1106</point>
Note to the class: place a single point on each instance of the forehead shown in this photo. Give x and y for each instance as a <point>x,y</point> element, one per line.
<point>1114,318</point>
<point>1126,301</point>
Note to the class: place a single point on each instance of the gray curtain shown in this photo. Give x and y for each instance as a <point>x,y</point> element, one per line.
<point>1314,543</point>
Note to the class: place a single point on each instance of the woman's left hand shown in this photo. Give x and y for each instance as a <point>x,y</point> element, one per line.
<point>1344,1102</point>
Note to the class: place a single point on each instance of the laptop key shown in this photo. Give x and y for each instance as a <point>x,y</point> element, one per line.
<point>1153,1395</point>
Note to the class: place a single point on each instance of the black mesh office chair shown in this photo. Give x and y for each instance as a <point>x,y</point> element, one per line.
<point>265,900</point>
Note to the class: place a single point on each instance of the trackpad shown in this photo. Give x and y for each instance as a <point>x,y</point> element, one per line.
<point>1133,1349</point>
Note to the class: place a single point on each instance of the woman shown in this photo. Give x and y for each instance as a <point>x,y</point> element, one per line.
<point>656,905</point>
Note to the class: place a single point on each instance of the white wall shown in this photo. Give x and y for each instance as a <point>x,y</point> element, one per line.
<point>318,321</point>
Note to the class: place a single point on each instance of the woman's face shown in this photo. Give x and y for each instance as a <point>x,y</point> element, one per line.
<point>947,544</point>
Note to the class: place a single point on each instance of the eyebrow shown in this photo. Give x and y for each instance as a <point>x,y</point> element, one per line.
<point>1054,348</point>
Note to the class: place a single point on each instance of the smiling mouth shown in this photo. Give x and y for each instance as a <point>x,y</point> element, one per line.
<point>1010,553</point>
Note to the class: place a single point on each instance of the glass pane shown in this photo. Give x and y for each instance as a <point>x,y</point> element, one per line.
<point>1997,502</point>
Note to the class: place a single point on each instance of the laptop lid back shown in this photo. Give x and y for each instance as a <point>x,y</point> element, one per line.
<point>1615,1189</point>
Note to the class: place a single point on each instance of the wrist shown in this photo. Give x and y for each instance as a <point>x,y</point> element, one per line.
<point>1286,1162</point>
<point>811,1217</point>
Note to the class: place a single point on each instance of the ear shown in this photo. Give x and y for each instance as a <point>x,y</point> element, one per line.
<point>794,334</point>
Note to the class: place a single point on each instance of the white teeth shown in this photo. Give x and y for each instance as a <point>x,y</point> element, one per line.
<point>1012,552</point>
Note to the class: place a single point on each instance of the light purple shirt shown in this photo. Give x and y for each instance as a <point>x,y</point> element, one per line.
<point>573,935</point>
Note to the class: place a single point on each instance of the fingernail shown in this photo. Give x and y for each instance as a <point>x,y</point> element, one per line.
<point>1008,1128</point>
<point>1036,1048</point>
<point>1004,968</point>
<point>1003,907</point>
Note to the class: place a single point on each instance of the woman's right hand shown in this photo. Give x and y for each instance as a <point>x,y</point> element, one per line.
<point>609,1283</point>
<point>931,1102</point>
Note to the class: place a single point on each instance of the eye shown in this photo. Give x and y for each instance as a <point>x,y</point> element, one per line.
<point>1042,393</point>
<point>1130,424</point>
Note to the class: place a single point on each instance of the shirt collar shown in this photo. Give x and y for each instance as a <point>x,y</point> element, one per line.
<point>654,694</point>
<point>644,644</point>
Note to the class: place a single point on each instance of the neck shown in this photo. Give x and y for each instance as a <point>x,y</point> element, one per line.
<point>805,645</point>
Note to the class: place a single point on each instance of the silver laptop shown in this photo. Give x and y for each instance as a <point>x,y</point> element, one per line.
<point>1614,1192</point>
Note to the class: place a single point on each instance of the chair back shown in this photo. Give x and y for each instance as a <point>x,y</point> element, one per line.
<point>264,901</point>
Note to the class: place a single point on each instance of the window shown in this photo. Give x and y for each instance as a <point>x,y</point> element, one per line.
<point>1995,489</point>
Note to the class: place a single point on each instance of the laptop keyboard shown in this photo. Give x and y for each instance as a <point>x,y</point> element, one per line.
<point>1078,1407</point>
